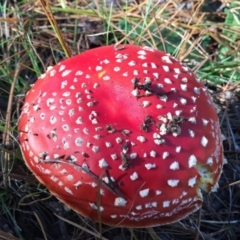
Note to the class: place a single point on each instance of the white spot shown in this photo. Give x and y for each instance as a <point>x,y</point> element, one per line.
<point>125,74</point>
<point>192,120</point>
<point>77,184</point>
<point>169,116</point>
<point>95,148</point>
<point>134,176</point>
<point>139,207</point>
<point>151,204</point>
<point>210,161</point>
<point>66,94</point>
<point>178,112</point>
<point>132,63</point>
<point>173,182</point>
<point>144,193</point>
<point>135,93</point>
<point>183,101</point>
<point>42,116</point>
<point>205,122</point>
<point>118,140</point>
<point>134,214</point>
<point>167,80</point>
<point>65,127</point>
<point>156,75</point>
<point>79,120</point>
<point>60,183</point>
<point>113,216</point>
<point>53,72</point>
<point>165,155</point>
<point>192,161</point>
<point>141,138</point>
<point>159,106</point>
<point>194,99</point>
<point>153,65</point>
<point>62,67</point>
<point>114,156</point>
<point>98,68</point>
<point>65,73</point>
<point>159,141</point>
<point>166,58</point>
<point>96,85</point>
<point>95,207</point>
<point>53,119</point>
<point>191,133</point>
<point>47,171</point>
<point>97,136</point>
<point>93,184</point>
<point>204,141</point>
<point>32,119</point>
<point>106,179</point>
<point>90,104</point>
<point>70,177</point>
<point>68,190</point>
<point>196,90</point>
<point>192,181</point>
<point>108,144</point>
<point>186,69</point>
<point>184,87</point>
<point>165,68</point>
<point>166,204</point>
<point>146,103</point>
<point>145,65</point>
<point>50,101</point>
<point>158,192</point>
<point>116,69</point>
<point>133,155</point>
<point>106,78</point>
<point>153,153</point>
<point>94,121</point>
<point>79,141</point>
<point>85,130</point>
<point>106,61</point>
<point>68,101</point>
<point>83,85</point>
<point>177,70</point>
<point>65,145</point>
<point>150,166</point>
<point>102,163</point>
<point>71,112</point>
<point>163,98</point>
<point>141,52</point>
<point>174,166</point>
<point>148,48</point>
<point>135,72</point>
<point>120,202</point>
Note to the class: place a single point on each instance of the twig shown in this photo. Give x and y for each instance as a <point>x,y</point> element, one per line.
<point>112,188</point>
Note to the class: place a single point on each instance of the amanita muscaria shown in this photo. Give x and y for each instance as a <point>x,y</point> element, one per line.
<point>123,134</point>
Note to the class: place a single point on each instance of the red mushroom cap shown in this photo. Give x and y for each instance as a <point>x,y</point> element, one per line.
<point>126,133</point>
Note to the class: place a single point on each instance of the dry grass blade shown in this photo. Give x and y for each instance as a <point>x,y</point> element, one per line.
<point>153,234</point>
<point>6,166</point>
<point>47,9</point>
<point>7,236</point>
<point>41,226</point>
<point>82,228</point>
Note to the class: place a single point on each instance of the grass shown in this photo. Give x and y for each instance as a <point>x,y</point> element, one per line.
<point>203,34</point>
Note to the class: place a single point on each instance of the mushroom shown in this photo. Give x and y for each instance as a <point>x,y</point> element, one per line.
<point>125,135</point>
